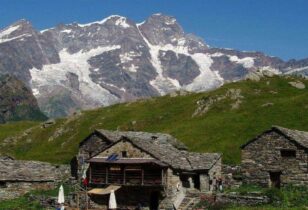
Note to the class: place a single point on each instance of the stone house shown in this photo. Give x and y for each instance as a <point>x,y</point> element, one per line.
<point>276,157</point>
<point>18,177</point>
<point>150,169</point>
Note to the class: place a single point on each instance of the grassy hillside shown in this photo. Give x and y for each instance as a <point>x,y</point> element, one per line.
<point>256,106</point>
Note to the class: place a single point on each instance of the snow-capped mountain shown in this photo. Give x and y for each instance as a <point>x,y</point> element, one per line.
<point>80,66</point>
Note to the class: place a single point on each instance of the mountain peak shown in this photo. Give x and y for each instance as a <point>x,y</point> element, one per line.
<point>16,30</point>
<point>161,29</point>
<point>22,22</point>
<point>112,19</point>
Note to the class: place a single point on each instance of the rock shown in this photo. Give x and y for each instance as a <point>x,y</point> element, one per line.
<point>236,104</point>
<point>273,92</point>
<point>254,76</point>
<point>205,104</point>
<point>173,94</point>
<point>183,93</point>
<point>48,123</point>
<point>267,104</point>
<point>268,73</point>
<point>298,85</point>
<point>234,94</point>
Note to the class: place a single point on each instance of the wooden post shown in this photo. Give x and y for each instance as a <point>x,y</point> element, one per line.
<point>78,200</point>
<point>142,176</point>
<point>90,174</point>
<point>87,206</point>
<point>106,175</point>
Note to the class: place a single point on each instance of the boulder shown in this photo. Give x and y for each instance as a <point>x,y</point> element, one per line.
<point>254,76</point>
<point>48,123</point>
<point>298,85</point>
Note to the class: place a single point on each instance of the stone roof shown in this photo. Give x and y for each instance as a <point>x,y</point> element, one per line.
<point>161,137</point>
<point>166,148</point>
<point>6,157</point>
<point>299,137</point>
<point>128,161</point>
<point>30,171</point>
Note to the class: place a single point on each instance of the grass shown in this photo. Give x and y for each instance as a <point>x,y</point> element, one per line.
<point>221,129</point>
<point>20,203</point>
<point>286,198</point>
<point>247,189</point>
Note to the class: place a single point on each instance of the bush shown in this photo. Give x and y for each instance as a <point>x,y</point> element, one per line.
<point>288,196</point>
<point>275,195</point>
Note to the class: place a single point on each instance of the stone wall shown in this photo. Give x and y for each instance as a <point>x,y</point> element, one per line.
<point>25,176</point>
<point>93,145</point>
<point>244,200</point>
<point>263,156</point>
<point>231,176</point>
<point>173,183</point>
<point>214,174</point>
<point>10,190</point>
<point>131,150</point>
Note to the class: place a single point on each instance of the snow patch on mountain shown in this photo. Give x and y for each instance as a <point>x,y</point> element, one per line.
<point>21,37</point>
<point>66,31</point>
<point>165,84</point>
<point>133,68</point>
<point>162,84</point>
<point>171,21</point>
<point>247,62</point>
<point>8,31</point>
<point>297,70</point>
<point>4,34</point>
<point>55,74</point>
<point>212,79</point>
<point>121,21</point>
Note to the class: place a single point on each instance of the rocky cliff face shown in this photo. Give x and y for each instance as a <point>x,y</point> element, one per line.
<point>17,101</point>
<point>80,66</point>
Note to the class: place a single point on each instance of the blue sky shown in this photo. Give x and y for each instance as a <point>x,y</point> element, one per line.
<point>276,27</point>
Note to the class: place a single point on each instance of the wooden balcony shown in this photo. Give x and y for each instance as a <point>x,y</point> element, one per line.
<point>123,174</point>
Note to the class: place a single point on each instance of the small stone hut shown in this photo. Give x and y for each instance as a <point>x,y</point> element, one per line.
<point>150,169</point>
<point>18,177</point>
<point>276,157</point>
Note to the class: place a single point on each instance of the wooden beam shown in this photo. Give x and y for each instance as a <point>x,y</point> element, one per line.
<point>162,176</point>
<point>142,176</point>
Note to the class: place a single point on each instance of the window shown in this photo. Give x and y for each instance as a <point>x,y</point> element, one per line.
<point>124,154</point>
<point>2,184</point>
<point>288,153</point>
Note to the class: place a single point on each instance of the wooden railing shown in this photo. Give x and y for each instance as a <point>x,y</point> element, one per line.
<point>127,177</point>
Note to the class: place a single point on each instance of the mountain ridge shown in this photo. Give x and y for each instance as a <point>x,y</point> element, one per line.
<point>17,101</point>
<point>81,66</point>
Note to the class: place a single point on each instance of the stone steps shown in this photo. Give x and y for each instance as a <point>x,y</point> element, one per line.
<point>190,200</point>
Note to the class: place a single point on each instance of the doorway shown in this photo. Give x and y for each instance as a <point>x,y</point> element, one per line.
<point>196,180</point>
<point>275,179</point>
<point>154,200</point>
